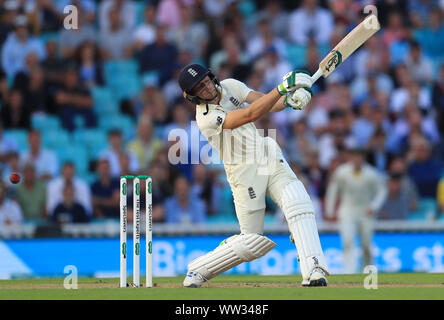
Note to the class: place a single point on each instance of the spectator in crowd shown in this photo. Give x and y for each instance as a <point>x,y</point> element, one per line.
<point>190,35</point>
<point>274,65</point>
<point>145,146</point>
<point>53,65</point>
<point>171,90</point>
<point>263,40</point>
<point>162,189</point>
<point>377,155</point>
<point>418,65</point>
<point>398,167</point>
<point>363,128</point>
<point>105,192</point>
<point>431,37</point>
<point>214,8</point>
<point>115,151</point>
<point>396,206</point>
<point>74,100</point>
<point>395,30</point>
<point>232,56</point>
<point>206,187</point>
<point>10,212</point>
<point>125,164</point>
<point>415,124</point>
<point>115,41</point>
<point>300,143</point>
<point>335,138</point>
<point>370,58</point>
<point>44,16</point>
<point>45,161</point>
<point>317,26</point>
<point>15,114</point>
<point>316,176</point>
<point>18,45</point>
<point>183,206</point>
<point>31,194</point>
<point>440,197</point>
<point>71,39</point>
<point>408,92</point>
<point>21,78</point>
<point>55,187</point>
<point>158,56</point>
<point>361,192</point>
<point>276,16</point>
<point>36,93</point>
<point>4,87</point>
<point>90,65</point>
<point>126,10</point>
<point>438,100</point>
<point>422,8</point>
<point>85,8</point>
<point>180,119</point>
<point>7,145</point>
<point>7,18</point>
<point>423,169</point>
<point>145,33</point>
<point>69,210</point>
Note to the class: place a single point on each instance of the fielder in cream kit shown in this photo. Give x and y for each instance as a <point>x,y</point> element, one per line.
<point>255,167</point>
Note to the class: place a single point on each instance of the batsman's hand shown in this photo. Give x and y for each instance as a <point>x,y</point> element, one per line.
<point>298,99</point>
<point>294,80</point>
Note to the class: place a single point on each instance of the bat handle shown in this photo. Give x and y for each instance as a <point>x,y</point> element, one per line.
<point>316,76</point>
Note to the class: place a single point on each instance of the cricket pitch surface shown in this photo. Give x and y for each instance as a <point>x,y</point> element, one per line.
<point>397,286</point>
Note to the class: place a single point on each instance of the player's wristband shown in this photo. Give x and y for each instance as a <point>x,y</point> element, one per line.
<point>281,89</point>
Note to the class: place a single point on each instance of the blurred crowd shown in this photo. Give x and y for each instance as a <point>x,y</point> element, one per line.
<point>387,98</point>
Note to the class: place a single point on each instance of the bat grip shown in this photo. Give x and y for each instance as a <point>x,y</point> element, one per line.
<point>316,76</point>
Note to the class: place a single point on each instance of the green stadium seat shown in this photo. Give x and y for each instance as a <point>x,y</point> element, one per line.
<point>75,153</point>
<point>20,136</point>
<point>94,140</point>
<point>114,69</point>
<point>122,77</point>
<point>42,122</point>
<point>427,209</point>
<point>54,138</point>
<point>127,87</point>
<point>90,137</point>
<point>104,100</point>
<point>120,121</point>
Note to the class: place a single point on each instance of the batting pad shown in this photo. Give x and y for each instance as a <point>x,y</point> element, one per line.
<point>230,253</point>
<point>298,209</point>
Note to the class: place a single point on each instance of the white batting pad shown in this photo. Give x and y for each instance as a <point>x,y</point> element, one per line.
<point>230,253</point>
<point>298,209</point>
<point>295,200</point>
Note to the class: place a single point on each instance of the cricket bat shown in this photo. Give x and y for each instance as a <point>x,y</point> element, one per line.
<point>352,41</point>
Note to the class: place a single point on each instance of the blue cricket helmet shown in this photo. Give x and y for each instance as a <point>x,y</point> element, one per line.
<point>190,76</point>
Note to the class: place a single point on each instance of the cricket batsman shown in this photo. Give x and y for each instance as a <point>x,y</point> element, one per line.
<point>228,125</point>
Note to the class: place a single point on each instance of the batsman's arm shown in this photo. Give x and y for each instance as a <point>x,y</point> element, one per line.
<point>257,109</point>
<point>255,95</point>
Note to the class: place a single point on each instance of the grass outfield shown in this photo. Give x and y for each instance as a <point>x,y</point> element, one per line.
<point>390,286</point>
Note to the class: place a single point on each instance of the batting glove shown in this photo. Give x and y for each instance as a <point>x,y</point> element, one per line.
<point>294,80</point>
<point>298,99</point>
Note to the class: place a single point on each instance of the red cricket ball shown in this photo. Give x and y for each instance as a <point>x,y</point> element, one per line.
<point>14,178</point>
